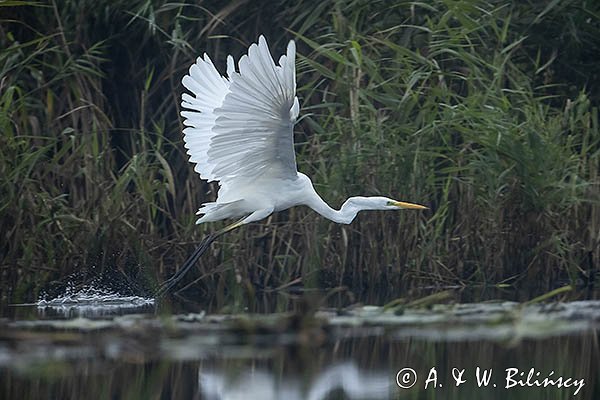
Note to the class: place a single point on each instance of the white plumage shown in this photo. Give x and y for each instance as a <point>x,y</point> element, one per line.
<point>240,132</point>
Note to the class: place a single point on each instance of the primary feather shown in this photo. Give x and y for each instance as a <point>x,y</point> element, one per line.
<point>209,89</point>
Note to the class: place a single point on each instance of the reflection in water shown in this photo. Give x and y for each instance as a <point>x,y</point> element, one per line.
<point>361,367</point>
<point>344,379</point>
<point>349,354</point>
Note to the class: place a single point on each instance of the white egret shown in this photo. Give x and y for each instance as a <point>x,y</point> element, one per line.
<point>239,132</point>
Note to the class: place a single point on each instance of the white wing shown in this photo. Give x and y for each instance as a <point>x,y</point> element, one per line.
<point>242,127</point>
<point>210,89</point>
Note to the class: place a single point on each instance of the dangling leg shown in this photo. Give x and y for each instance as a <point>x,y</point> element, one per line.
<point>204,245</point>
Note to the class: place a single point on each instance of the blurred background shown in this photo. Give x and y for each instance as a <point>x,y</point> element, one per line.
<point>485,111</point>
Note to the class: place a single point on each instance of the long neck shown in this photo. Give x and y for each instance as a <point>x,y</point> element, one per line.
<point>344,215</point>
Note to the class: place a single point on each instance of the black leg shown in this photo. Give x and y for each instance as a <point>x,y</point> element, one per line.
<point>172,281</point>
<point>204,245</point>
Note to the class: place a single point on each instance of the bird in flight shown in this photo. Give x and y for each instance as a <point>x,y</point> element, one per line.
<point>240,132</point>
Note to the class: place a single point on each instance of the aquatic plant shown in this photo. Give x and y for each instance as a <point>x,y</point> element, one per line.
<point>469,106</point>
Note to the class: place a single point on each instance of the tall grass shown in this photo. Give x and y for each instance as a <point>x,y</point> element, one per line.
<point>467,106</point>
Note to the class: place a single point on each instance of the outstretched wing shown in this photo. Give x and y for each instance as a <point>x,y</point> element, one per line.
<point>241,127</point>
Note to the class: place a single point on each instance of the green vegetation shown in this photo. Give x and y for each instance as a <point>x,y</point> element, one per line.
<point>486,111</point>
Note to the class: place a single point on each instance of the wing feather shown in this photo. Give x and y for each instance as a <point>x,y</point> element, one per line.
<point>209,89</point>
<point>258,106</point>
<point>241,127</point>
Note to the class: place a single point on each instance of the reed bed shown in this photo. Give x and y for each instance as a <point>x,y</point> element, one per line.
<point>485,111</point>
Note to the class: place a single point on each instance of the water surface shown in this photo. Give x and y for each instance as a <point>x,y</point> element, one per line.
<point>96,344</point>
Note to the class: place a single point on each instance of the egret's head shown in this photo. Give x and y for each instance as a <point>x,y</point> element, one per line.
<point>383,203</point>
<point>400,205</point>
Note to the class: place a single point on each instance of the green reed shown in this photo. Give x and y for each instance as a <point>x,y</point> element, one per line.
<point>465,106</point>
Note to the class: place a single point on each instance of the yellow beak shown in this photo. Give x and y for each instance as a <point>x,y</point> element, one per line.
<point>412,206</point>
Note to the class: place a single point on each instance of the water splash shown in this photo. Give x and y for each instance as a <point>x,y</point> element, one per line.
<point>92,301</point>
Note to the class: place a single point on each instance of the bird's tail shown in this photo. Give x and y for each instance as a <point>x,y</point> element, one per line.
<point>214,211</point>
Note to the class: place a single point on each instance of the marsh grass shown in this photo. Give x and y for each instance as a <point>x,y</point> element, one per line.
<point>487,112</point>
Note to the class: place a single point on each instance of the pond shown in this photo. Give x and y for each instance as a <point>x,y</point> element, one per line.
<point>95,344</point>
